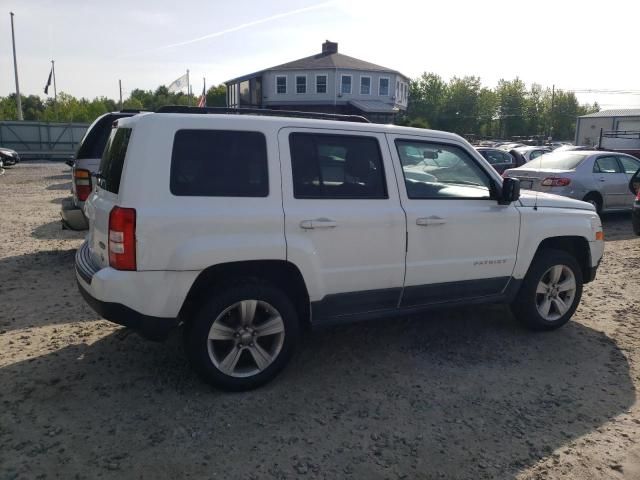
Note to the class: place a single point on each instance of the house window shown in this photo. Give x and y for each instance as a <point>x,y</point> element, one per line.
<point>301,84</point>
<point>397,90</point>
<point>321,84</point>
<point>345,82</point>
<point>383,87</point>
<point>281,84</point>
<point>365,85</point>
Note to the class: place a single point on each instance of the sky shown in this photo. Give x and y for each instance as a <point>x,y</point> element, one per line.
<point>574,45</point>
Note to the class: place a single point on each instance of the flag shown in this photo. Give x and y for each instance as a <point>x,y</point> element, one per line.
<point>179,84</point>
<point>203,98</point>
<point>46,87</point>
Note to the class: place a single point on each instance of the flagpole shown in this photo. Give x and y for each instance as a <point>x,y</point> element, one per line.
<point>55,90</point>
<point>120,86</point>
<point>204,90</point>
<point>188,88</point>
<point>15,69</point>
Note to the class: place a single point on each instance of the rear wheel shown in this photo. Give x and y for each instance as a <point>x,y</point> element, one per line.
<point>551,291</point>
<point>243,336</point>
<point>595,200</point>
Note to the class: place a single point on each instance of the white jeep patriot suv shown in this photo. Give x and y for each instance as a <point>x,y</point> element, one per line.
<point>247,227</point>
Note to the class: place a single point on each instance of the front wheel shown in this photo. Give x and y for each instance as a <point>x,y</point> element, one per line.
<point>551,291</point>
<point>243,336</point>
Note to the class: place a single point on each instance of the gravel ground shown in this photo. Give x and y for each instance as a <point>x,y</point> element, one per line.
<point>464,393</point>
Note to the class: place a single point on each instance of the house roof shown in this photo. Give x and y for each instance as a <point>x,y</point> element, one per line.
<point>621,112</point>
<point>323,61</point>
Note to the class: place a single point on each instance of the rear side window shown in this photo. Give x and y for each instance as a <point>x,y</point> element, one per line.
<point>113,160</point>
<point>336,166</point>
<point>219,163</point>
<point>606,165</point>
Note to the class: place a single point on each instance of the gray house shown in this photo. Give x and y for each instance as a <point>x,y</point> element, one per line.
<point>328,82</point>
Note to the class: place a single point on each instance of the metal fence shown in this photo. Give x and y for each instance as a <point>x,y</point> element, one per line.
<point>42,139</point>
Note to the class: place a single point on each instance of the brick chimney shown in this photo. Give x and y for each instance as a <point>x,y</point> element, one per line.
<point>329,47</point>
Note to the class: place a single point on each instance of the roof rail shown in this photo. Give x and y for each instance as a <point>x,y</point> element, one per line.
<point>261,111</point>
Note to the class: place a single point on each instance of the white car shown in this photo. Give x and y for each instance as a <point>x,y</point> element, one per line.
<point>247,228</point>
<point>530,153</point>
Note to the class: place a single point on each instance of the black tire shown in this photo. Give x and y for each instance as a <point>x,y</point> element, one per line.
<point>594,199</point>
<point>197,343</point>
<point>525,306</point>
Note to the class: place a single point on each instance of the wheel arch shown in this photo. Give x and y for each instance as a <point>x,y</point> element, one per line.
<point>597,195</point>
<point>576,246</point>
<point>280,273</point>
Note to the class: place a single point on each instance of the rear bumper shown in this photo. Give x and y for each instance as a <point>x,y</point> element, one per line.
<point>72,216</point>
<point>153,328</point>
<point>147,301</point>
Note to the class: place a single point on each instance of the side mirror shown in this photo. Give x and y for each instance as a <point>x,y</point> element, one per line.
<point>510,191</point>
<point>634,183</point>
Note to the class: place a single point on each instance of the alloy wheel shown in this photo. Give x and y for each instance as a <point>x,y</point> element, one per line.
<point>556,292</point>
<point>246,338</point>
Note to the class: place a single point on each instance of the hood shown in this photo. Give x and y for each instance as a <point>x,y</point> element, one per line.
<point>529,198</point>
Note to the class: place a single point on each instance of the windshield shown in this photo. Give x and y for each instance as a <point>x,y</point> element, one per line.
<point>558,160</point>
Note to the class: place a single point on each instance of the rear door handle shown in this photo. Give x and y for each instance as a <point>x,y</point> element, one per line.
<point>432,220</point>
<point>318,223</point>
<point>602,179</point>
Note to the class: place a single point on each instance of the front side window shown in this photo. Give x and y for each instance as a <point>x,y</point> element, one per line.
<point>281,84</point>
<point>365,85</point>
<point>112,161</point>
<point>345,83</point>
<point>606,165</point>
<point>336,167</point>
<point>321,84</point>
<point>383,89</point>
<point>629,165</point>
<point>301,84</point>
<point>440,171</point>
<point>219,163</point>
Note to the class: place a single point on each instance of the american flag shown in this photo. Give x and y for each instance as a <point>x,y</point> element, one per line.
<point>202,102</point>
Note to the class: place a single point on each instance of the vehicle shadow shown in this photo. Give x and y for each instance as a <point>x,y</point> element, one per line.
<point>617,226</point>
<point>57,200</point>
<point>64,176</point>
<point>60,186</point>
<point>461,393</point>
<point>54,230</point>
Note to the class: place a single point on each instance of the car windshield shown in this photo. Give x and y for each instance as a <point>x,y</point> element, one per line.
<point>559,160</point>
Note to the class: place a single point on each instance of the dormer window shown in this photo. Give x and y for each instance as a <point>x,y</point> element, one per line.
<point>365,85</point>
<point>301,84</point>
<point>281,84</point>
<point>321,84</point>
<point>383,87</point>
<point>345,84</point>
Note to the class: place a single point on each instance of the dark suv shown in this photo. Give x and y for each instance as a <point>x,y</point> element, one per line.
<point>85,166</point>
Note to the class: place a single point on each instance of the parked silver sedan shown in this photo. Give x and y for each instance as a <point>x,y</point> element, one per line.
<point>598,177</point>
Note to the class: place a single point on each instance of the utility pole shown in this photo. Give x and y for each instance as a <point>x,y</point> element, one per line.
<point>120,86</point>
<point>15,69</point>
<point>55,89</point>
<point>553,100</point>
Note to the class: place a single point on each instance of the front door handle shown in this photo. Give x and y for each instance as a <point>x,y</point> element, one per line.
<point>432,220</point>
<point>318,223</point>
<point>602,179</point>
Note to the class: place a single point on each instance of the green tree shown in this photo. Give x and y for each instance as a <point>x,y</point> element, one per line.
<point>217,96</point>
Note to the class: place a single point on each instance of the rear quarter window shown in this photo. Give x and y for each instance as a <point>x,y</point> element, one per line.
<point>112,161</point>
<point>219,163</point>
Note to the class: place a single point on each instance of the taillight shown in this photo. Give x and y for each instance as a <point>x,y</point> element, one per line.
<point>122,238</point>
<point>638,196</point>
<point>555,182</point>
<point>82,179</point>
